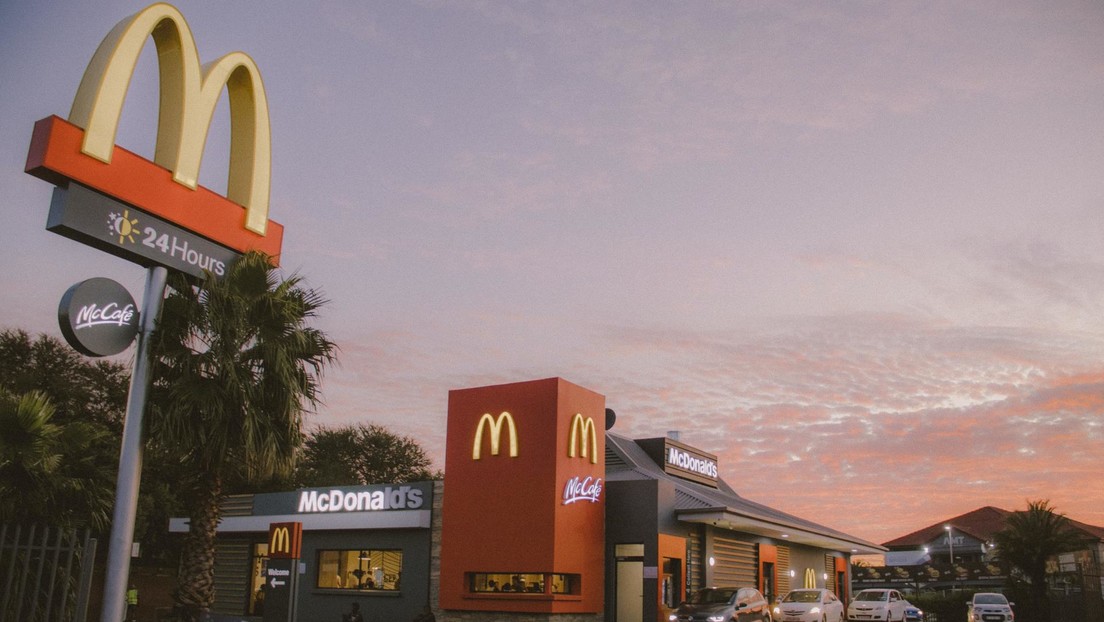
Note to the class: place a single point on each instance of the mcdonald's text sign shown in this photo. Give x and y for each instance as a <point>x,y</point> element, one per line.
<point>82,148</point>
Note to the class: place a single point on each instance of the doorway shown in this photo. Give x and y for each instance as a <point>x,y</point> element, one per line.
<point>630,582</point>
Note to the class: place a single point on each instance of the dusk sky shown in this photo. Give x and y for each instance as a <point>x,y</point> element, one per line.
<point>855,249</point>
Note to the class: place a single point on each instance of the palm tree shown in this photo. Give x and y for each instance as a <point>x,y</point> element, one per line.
<point>51,473</point>
<point>1028,540</point>
<point>235,368</point>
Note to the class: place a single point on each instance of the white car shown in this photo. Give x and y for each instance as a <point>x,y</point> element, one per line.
<point>809,606</point>
<point>883,605</point>
<point>989,607</point>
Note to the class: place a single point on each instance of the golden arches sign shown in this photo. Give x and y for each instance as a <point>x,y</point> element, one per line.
<point>495,425</point>
<point>285,540</point>
<point>583,432</point>
<point>280,542</point>
<point>189,94</point>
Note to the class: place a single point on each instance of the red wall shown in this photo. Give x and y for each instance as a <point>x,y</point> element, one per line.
<point>507,514</point>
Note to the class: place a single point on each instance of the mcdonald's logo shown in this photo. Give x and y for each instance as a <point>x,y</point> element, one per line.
<point>188,97</point>
<point>495,424</point>
<point>285,540</point>
<point>810,579</point>
<point>583,432</point>
<point>189,94</point>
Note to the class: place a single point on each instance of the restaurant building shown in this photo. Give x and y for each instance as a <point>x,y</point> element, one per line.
<point>544,514</point>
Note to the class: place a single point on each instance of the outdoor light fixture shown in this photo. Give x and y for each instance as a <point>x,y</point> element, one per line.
<point>792,573</point>
<point>712,561</point>
<point>950,541</point>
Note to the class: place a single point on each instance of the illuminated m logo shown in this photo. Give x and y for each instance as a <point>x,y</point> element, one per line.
<point>284,540</point>
<point>280,542</point>
<point>584,434</point>
<point>495,425</point>
<point>189,94</point>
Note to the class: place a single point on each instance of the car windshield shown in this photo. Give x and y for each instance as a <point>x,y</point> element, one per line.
<point>875,596</point>
<point>802,596</point>
<point>712,596</point>
<point>990,599</point>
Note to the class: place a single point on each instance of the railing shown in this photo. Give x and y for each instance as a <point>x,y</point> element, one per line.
<point>45,573</point>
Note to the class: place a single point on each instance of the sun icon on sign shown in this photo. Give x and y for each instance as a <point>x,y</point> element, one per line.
<point>122,225</point>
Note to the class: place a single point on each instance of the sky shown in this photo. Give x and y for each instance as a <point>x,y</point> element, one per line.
<point>854,249</point>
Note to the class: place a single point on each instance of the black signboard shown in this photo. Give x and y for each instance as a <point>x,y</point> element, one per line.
<point>98,317</point>
<point>84,215</point>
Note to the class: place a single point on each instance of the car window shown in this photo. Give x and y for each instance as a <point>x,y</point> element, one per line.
<point>871,595</point>
<point>990,599</point>
<point>711,596</point>
<point>801,596</point>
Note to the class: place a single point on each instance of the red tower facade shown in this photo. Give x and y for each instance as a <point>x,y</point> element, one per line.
<point>523,517</point>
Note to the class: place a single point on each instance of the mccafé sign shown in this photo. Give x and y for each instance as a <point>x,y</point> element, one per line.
<point>169,215</point>
<point>98,317</point>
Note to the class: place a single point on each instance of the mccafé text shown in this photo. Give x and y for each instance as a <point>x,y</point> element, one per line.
<point>111,313</point>
<point>582,489</point>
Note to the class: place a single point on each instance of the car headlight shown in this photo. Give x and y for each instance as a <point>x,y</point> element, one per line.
<point>814,610</point>
<point>777,610</point>
<point>716,618</point>
<point>672,617</point>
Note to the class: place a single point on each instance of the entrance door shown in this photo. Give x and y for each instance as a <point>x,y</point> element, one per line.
<point>630,582</point>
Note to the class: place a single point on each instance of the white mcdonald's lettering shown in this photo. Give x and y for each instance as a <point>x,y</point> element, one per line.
<point>189,94</point>
<point>281,541</point>
<point>586,426</point>
<point>495,424</point>
<point>337,500</point>
<point>690,462</point>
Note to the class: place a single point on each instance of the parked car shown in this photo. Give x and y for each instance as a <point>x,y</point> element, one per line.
<point>884,605</point>
<point>722,604</point>
<point>809,605</point>
<point>989,607</point>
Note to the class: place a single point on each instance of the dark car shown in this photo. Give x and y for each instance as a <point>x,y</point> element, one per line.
<point>723,604</point>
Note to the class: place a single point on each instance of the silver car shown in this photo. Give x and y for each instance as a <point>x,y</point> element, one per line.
<point>989,607</point>
<point>722,604</point>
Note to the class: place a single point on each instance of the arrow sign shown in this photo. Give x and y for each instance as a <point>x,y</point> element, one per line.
<point>274,583</point>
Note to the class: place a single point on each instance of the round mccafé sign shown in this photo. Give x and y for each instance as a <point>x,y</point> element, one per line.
<point>98,317</point>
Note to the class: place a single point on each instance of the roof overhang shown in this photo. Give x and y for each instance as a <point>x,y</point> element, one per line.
<point>725,518</point>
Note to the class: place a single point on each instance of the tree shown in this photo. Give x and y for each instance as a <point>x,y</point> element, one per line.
<point>1027,541</point>
<point>361,454</point>
<point>69,411</point>
<point>235,367</point>
<point>80,390</point>
<point>51,473</point>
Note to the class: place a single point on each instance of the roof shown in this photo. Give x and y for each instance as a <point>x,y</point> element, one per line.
<point>722,506</point>
<point>980,524</point>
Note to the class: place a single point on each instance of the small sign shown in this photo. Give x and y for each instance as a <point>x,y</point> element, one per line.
<point>84,215</point>
<point>285,540</point>
<point>98,317</point>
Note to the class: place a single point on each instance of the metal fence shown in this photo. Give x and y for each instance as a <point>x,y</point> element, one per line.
<point>45,573</point>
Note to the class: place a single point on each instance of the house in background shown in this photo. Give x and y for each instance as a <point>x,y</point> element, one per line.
<point>958,553</point>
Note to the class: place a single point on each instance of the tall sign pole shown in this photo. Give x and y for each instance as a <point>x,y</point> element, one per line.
<point>130,456</point>
<point>153,213</point>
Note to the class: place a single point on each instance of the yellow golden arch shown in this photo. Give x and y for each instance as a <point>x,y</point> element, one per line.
<point>189,94</point>
<point>495,425</point>
<point>281,541</point>
<point>583,432</point>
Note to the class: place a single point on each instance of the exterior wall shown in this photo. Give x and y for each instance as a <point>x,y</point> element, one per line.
<point>512,453</point>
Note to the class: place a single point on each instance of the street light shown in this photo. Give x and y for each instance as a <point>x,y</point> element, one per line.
<point>950,542</point>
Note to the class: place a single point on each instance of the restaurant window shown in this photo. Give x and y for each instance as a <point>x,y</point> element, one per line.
<point>523,583</point>
<point>360,569</point>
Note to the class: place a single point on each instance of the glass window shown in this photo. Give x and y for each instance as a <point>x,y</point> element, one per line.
<point>523,582</point>
<point>360,569</point>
